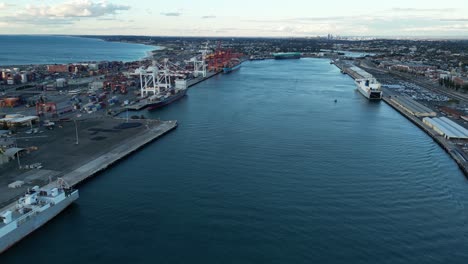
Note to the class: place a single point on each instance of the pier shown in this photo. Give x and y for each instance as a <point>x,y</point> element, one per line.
<point>121,151</point>
<point>403,106</point>
<point>448,146</point>
<point>102,143</point>
<point>190,83</point>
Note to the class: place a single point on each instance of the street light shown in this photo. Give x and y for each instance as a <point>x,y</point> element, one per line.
<point>17,153</point>
<point>76,131</point>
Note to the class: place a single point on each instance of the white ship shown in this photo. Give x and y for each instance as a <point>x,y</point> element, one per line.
<point>367,84</point>
<point>33,210</point>
<point>370,88</point>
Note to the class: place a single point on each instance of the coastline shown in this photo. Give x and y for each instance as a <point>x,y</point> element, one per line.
<point>145,54</point>
<point>447,146</point>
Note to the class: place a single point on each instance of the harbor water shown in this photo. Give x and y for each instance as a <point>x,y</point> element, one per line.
<point>265,167</point>
<point>42,49</point>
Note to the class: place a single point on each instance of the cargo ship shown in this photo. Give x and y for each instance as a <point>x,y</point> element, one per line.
<point>33,210</point>
<point>164,98</point>
<point>287,55</point>
<point>233,65</point>
<point>370,88</point>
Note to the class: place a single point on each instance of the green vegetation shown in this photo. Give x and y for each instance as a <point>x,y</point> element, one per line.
<point>447,82</point>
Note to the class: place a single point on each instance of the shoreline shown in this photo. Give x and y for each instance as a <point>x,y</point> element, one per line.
<point>146,54</point>
<point>85,170</point>
<point>447,146</point>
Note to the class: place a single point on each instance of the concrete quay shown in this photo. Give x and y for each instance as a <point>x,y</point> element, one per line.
<point>121,151</point>
<point>102,143</point>
<point>452,149</point>
<point>345,69</point>
<point>144,103</point>
<point>456,154</point>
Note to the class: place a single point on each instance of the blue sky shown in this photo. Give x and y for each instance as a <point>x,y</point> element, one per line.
<point>236,17</point>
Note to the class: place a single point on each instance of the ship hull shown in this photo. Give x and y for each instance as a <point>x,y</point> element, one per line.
<point>35,222</point>
<point>169,100</point>
<point>231,69</point>
<point>294,57</point>
<point>370,95</point>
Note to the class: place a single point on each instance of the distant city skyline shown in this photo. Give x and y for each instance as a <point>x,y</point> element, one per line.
<point>295,18</point>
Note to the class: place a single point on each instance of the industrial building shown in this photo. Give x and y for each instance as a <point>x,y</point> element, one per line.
<point>359,73</point>
<point>446,128</point>
<point>413,107</point>
<point>17,120</point>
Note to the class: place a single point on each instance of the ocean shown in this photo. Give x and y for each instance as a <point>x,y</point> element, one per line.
<point>265,167</point>
<point>42,49</point>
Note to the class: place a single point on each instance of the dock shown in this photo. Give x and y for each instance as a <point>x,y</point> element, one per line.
<point>102,143</point>
<point>411,110</point>
<point>347,69</point>
<point>448,146</point>
<point>144,103</point>
<point>121,151</point>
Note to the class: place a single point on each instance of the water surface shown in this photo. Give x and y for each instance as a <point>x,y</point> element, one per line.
<point>266,168</point>
<point>42,49</point>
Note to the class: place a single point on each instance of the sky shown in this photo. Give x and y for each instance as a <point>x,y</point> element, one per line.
<point>234,18</point>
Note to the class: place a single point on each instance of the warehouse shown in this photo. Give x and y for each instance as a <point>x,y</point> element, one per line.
<point>362,73</point>
<point>446,127</point>
<point>17,120</point>
<point>413,107</point>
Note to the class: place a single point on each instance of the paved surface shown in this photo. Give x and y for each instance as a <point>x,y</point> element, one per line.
<point>100,144</point>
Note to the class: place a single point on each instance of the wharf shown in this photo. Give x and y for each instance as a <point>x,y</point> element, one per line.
<point>346,69</point>
<point>456,154</point>
<point>448,146</point>
<point>126,148</point>
<point>100,146</point>
<point>144,103</point>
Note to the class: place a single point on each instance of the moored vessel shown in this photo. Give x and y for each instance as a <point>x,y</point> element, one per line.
<point>287,55</point>
<point>34,209</point>
<point>232,65</point>
<point>165,98</point>
<point>370,88</point>
<point>158,80</point>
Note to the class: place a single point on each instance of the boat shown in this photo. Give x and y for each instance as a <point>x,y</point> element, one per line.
<point>370,88</point>
<point>158,80</point>
<point>164,98</point>
<point>254,58</point>
<point>287,55</point>
<point>232,65</point>
<point>31,211</point>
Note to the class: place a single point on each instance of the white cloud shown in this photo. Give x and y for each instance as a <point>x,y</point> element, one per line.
<point>444,28</point>
<point>174,14</point>
<point>71,9</point>
<point>423,10</point>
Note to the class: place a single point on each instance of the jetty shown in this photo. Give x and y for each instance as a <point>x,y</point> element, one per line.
<point>414,111</point>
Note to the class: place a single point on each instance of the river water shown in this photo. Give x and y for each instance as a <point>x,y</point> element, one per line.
<point>265,167</point>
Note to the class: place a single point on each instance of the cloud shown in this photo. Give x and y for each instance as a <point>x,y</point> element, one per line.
<point>424,10</point>
<point>454,19</point>
<point>172,14</point>
<point>443,28</point>
<point>73,9</point>
<point>37,20</point>
<point>65,13</point>
<point>208,17</point>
